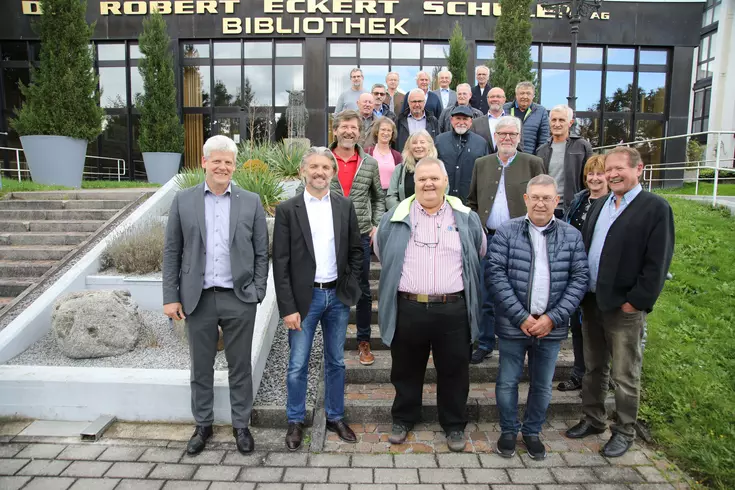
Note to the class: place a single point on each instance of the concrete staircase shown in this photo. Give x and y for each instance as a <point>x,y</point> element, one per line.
<point>40,229</point>
<point>369,393</point>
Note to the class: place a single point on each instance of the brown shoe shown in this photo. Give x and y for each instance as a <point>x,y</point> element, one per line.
<point>366,357</point>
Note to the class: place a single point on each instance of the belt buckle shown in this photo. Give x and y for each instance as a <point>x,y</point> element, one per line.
<point>422,298</point>
<point>320,285</point>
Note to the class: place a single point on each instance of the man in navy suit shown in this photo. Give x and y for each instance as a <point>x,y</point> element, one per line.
<point>433,102</point>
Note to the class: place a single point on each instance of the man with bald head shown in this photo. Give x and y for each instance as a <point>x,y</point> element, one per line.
<point>432,102</point>
<point>485,126</point>
<point>365,107</point>
<point>415,119</point>
<point>464,92</point>
<point>447,96</point>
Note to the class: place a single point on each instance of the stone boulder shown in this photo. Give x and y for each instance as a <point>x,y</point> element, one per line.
<point>89,324</point>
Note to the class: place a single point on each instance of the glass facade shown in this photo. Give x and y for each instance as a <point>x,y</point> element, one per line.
<point>705,63</point>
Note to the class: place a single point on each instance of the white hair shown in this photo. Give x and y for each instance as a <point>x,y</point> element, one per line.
<point>321,151</point>
<point>219,143</point>
<point>419,74</point>
<point>542,179</point>
<point>447,72</point>
<point>521,85</point>
<point>418,91</point>
<point>392,73</point>
<point>508,121</point>
<point>563,108</point>
<point>482,67</point>
<point>430,161</point>
<point>465,85</point>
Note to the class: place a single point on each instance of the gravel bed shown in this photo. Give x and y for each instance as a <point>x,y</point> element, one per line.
<point>273,385</point>
<point>9,316</point>
<point>169,352</point>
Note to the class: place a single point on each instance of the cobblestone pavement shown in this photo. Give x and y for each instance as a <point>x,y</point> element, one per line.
<point>151,456</point>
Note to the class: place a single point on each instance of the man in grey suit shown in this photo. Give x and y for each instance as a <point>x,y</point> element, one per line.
<point>215,269</point>
<point>447,96</point>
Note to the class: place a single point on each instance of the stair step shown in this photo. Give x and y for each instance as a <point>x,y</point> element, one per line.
<point>15,285</point>
<point>379,371</point>
<point>35,252</point>
<point>8,204</point>
<point>39,238</point>
<point>4,301</point>
<point>375,268</point>
<point>376,343</point>
<point>24,268</point>
<point>371,403</point>
<point>48,204</point>
<point>59,214</point>
<point>88,194</point>
<point>49,226</point>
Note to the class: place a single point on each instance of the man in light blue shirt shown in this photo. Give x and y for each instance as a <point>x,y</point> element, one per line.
<point>447,96</point>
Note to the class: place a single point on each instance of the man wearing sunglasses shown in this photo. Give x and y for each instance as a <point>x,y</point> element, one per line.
<point>496,194</point>
<point>430,247</point>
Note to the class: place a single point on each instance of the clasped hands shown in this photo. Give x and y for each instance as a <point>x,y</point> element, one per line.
<point>537,327</point>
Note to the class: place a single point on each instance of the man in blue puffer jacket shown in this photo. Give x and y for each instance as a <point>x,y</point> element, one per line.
<point>538,275</point>
<point>534,118</point>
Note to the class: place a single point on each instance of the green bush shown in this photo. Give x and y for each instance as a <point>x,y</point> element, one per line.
<point>137,250</point>
<point>255,150</point>
<point>189,177</point>
<point>457,57</point>
<point>62,99</point>
<point>160,127</point>
<point>286,160</point>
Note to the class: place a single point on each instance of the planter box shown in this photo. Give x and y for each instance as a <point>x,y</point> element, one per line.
<point>55,160</point>
<point>160,167</point>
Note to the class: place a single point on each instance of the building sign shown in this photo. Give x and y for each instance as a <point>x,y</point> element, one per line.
<point>309,17</point>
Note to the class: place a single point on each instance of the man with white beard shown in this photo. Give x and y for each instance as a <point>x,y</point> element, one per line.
<point>458,149</point>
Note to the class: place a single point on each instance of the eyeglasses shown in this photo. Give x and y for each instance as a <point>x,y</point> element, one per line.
<point>507,135</point>
<point>378,94</point>
<point>416,101</point>
<point>423,244</point>
<point>545,199</point>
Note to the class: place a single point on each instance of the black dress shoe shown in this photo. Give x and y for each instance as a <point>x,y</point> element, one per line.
<point>244,440</point>
<point>199,439</point>
<point>294,436</point>
<point>616,446</point>
<point>583,429</point>
<point>342,429</point>
<point>480,355</point>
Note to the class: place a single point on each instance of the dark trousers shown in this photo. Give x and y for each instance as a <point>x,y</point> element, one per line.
<point>575,323</point>
<point>237,320</point>
<point>612,336</point>
<point>444,330</point>
<point>365,304</point>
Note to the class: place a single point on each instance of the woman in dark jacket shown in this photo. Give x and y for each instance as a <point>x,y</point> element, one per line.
<point>596,187</point>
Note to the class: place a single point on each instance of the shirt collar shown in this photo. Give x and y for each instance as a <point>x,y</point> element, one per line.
<point>309,198</point>
<point>420,119</point>
<point>539,228</point>
<point>445,90</point>
<point>207,189</point>
<point>510,160</point>
<point>628,196</point>
<point>490,116</point>
<point>441,210</point>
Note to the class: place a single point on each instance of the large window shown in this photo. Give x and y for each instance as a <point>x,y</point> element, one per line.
<point>711,12</point>
<point>706,58</point>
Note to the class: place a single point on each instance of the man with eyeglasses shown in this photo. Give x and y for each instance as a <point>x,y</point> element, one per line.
<point>415,119</point>
<point>496,194</point>
<point>533,117</point>
<point>537,274</point>
<point>485,126</point>
<point>381,109</point>
<point>430,247</point>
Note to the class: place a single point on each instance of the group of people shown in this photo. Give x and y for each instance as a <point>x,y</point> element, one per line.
<point>500,231</point>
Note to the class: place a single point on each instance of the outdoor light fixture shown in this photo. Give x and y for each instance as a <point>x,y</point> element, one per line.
<point>575,10</point>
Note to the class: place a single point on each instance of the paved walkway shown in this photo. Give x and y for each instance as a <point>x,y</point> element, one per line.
<point>151,456</point>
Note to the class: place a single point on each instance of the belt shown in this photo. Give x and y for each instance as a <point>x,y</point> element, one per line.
<point>218,289</point>
<point>490,232</point>
<point>326,285</point>
<point>432,298</point>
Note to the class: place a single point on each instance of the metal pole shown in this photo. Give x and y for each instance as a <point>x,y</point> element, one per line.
<point>717,171</point>
<point>17,162</point>
<point>574,22</point>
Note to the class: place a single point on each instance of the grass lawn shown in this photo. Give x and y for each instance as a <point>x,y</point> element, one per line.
<point>12,185</point>
<point>705,189</point>
<point>689,367</point>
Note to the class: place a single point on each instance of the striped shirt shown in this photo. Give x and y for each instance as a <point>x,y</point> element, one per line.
<point>433,261</point>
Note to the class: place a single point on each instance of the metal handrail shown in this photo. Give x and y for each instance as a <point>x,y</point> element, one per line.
<point>121,166</point>
<point>672,166</point>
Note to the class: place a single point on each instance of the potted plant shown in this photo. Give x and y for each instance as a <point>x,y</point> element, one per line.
<point>60,113</point>
<point>161,132</point>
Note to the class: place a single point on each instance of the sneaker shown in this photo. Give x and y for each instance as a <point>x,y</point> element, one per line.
<point>366,357</point>
<point>506,446</point>
<point>480,355</point>
<point>570,385</point>
<point>398,434</point>
<point>536,448</point>
<point>456,441</point>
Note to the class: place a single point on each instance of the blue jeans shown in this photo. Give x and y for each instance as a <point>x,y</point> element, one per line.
<point>333,314</point>
<point>364,308</point>
<point>542,356</point>
<point>487,319</point>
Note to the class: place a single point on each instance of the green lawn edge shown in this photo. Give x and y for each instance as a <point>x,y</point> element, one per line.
<point>688,395</point>
<point>13,185</point>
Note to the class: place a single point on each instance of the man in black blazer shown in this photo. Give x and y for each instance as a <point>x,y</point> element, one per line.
<point>629,237</point>
<point>432,102</point>
<point>480,91</point>
<point>317,263</point>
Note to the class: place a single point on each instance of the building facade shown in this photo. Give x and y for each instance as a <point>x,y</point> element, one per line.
<point>238,62</point>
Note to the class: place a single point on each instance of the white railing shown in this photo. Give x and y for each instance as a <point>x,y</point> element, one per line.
<point>715,164</point>
<point>120,164</point>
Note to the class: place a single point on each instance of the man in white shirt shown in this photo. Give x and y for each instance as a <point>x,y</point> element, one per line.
<point>485,127</point>
<point>532,311</point>
<point>447,96</point>
<point>317,263</point>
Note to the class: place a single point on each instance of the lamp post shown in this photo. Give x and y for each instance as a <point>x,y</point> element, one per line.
<point>575,9</point>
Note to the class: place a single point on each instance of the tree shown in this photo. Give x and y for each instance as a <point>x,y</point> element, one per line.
<point>160,127</point>
<point>457,57</point>
<point>62,98</point>
<point>512,63</point>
